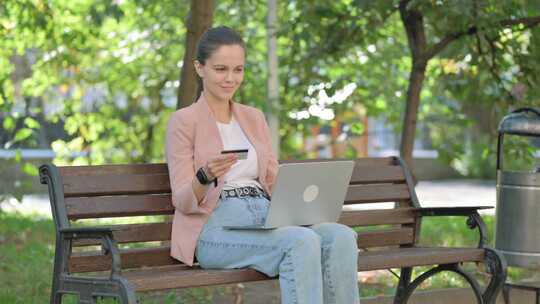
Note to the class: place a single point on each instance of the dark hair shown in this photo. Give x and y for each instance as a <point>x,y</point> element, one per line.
<point>210,41</point>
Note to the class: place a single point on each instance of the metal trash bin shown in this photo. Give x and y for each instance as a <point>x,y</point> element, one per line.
<point>517,234</point>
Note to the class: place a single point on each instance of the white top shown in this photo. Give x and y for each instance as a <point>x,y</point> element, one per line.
<point>245,171</point>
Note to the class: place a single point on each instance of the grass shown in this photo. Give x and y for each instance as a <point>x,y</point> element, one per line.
<point>26,265</point>
<point>27,254</point>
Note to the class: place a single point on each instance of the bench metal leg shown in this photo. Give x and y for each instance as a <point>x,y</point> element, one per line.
<point>448,267</point>
<point>60,266</point>
<point>89,289</point>
<point>506,294</point>
<point>56,297</point>
<point>404,282</point>
<point>496,266</point>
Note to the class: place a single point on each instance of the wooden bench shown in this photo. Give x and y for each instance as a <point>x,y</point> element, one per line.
<point>113,191</point>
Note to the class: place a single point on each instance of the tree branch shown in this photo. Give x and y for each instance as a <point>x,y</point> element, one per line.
<point>414,26</point>
<point>492,67</point>
<point>441,45</point>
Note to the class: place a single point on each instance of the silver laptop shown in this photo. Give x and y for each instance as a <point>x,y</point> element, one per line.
<point>306,194</point>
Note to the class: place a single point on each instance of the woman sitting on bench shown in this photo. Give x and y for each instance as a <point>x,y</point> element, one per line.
<point>316,264</point>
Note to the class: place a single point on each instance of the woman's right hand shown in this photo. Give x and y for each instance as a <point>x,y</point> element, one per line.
<point>219,165</point>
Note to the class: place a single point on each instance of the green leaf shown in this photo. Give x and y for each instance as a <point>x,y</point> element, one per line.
<point>22,134</point>
<point>18,156</point>
<point>351,152</point>
<point>9,123</point>
<point>30,169</point>
<point>357,128</point>
<point>31,123</point>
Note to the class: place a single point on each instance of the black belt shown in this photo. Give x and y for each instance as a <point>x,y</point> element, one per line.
<point>242,192</point>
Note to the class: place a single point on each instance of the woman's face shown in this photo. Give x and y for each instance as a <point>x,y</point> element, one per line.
<point>223,72</point>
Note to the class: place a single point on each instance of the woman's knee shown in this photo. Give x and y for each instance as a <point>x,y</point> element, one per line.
<point>336,233</point>
<point>301,238</point>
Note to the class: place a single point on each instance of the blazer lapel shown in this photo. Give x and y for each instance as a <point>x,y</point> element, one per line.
<point>207,118</point>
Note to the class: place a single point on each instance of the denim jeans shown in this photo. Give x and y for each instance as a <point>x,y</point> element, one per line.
<point>316,264</point>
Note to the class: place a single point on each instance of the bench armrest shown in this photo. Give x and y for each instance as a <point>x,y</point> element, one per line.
<point>450,211</point>
<point>108,244</point>
<point>474,219</point>
<point>85,232</point>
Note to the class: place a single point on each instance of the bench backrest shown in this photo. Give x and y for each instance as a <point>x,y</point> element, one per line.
<point>379,199</point>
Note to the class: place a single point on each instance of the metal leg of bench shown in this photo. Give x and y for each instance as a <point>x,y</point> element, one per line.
<point>60,267</point>
<point>496,266</point>
<point>89,289</point>
<point>127,293</point>
<point>447,267</point>
<point>404,281</point>
<point>56,296</point>
<point>506,294</point>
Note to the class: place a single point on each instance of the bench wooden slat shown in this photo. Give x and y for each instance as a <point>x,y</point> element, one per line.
<point>181,276</point>
<point>155,204</point>
<point>359,194</point>
<point>115,184</point>
<point>154,178</point>
<point>385,237</point>
<point>171,277</point>
<point>131,258</point>
<point>161,231</point>
<point>160,168</point>
<point>132,233</point>
<point>377,174</point>
<point>117,206</point>
<point>416,256</point>
<point>377,217</point>
<point>160,256</point>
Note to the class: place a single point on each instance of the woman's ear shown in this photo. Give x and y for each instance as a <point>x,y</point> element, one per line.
<point>198,67</point>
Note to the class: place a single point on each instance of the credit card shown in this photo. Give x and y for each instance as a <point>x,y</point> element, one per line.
<point>240,153</point>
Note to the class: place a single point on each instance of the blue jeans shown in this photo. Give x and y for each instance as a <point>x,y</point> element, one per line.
<point>315,265</point>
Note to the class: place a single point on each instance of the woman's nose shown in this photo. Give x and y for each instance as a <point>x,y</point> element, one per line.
<point>229,77</point>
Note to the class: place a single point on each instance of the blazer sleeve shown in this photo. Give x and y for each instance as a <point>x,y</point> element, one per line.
<point>180,139</point>
<point>272,168</point>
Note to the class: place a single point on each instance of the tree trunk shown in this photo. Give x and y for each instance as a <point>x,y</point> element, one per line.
<point>273,81</point>
<point>413,21</point>
<point>198,21</point>
<point>421,53</point>
<point>416,80</point>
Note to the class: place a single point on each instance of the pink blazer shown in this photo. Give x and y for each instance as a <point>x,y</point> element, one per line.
<point>192,138</point>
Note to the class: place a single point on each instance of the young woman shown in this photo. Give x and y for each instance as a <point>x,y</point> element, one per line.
<point>211,190</point>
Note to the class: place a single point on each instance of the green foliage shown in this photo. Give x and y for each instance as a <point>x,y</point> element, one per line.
<point>26,265</point>
<point>109,71</point>
<point>26,247</point>
<point>453,231</point>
